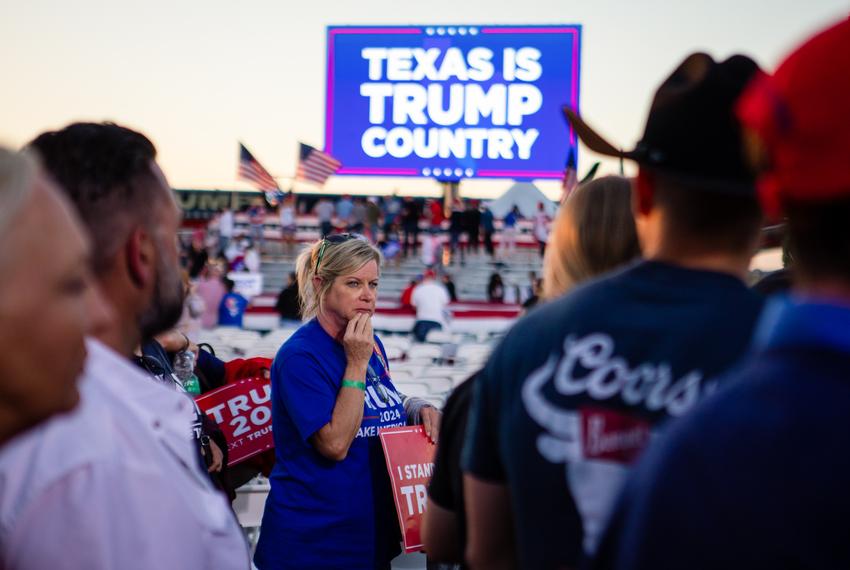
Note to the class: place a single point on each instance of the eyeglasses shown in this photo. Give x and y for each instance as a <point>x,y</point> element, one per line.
<point>334,239</point>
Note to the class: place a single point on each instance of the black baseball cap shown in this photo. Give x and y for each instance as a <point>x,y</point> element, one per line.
<point>692,132</point>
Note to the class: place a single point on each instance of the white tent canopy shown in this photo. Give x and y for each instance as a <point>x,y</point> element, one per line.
<point>525,196</point>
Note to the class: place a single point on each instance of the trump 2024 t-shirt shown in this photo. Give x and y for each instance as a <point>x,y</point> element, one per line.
<point>322,513</point>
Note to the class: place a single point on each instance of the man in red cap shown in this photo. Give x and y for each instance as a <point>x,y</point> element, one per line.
<point>757,476</point>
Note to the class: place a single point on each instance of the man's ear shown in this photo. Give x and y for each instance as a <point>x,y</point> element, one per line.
<point>139,253</point>
<point>643,195</point>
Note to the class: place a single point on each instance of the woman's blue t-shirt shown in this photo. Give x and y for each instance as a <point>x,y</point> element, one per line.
<point>322,513</point>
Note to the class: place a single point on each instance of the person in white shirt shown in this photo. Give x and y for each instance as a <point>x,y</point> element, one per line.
<point>225,229</point>
<point>431,301</point>
<point>432,245</point>
<point>288,226</point>
<point>252,260</point>
<point>541,228</point>
<point>48,302</point>
<point>118,482</point>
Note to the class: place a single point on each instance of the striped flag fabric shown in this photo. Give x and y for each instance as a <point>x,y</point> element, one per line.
<point>315,165</point>
<point>252,171</point>
<point>570,175</point>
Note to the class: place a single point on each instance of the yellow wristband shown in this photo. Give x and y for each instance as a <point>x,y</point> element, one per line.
<point>353,384</point>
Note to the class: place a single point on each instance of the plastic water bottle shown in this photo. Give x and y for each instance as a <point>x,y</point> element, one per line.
<point>184,369</point>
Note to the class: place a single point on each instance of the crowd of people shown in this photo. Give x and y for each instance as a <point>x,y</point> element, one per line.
<point>652,410</point>
<point>399,226</point>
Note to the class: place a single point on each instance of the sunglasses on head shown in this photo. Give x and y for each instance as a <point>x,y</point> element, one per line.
<point>334,239</point>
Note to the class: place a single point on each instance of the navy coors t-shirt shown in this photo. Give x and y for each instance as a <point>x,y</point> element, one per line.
<point>577,389</point>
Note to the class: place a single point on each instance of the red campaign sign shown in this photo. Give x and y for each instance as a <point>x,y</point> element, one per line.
<point>410,462</point>
<point>243,411</point>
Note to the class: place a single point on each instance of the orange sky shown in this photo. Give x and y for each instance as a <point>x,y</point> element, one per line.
<point>197,77</point>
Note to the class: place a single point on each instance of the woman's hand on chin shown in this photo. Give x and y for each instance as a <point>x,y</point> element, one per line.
<point>358,340</point>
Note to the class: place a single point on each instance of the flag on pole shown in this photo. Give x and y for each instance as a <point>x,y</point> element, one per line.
<point>570,175</point>
<point>315,165</point>
<point>591,173</point>
<point>252,171</point>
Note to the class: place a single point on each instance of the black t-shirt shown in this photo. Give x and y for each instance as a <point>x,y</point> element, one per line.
<point>450,288</point>
<point>446,487</point>
<point>578,388</point>
<point>410,214</point>
<point>457,222</point>
<point>197,259</point>
<point>473,221</point>
<point>289,303</point>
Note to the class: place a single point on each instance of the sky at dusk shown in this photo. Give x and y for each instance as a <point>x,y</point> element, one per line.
<point>197,77</point>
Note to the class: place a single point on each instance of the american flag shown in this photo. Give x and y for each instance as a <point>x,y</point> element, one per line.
<point>253,172</point>
<point>315,165</point>
<point>570,175</point>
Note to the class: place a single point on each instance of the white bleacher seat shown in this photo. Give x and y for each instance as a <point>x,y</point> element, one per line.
<point>437,385</point>
<point>438,336</point>
<point>400,342</point>
<point>262,351</point>
<point>250,502</point>
<point>393,352</point>
<point>467,350</point>
<point>424,351</point>
<point>401,375</point>
<point>414,389</point>
<point>419,361</point>
<point>406,368</point>
<point>436,401</point>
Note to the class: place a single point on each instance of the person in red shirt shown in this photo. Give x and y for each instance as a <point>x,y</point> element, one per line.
<point>407,294</point>
<point>436,215</point>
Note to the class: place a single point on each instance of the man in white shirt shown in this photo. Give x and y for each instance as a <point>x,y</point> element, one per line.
<point>431,301</point>
<point>117,483</point>
<point>225,228</point>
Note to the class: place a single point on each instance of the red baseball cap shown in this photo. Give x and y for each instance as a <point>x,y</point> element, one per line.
<point>798,122</point>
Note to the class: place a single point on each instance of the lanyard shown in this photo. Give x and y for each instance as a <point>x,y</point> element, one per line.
<point>381,359</point>
<point>375,380</point>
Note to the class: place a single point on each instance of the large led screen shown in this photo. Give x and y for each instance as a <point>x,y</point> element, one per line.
<point>451,102</point>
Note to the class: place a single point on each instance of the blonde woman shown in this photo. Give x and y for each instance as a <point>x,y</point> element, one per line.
<point>593,233</point>
<point>330,504</point>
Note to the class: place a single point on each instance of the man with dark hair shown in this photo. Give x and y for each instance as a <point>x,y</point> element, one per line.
<point>706,220</point>
<point>110,174</point>
<point>118,482</point>
<point>578,388</point>
<point>756,477</point>
<point>410,214</point>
